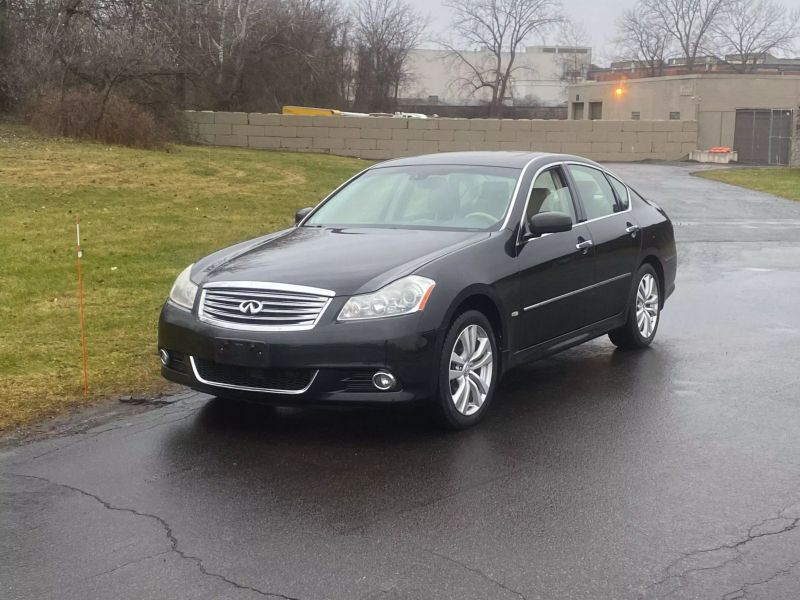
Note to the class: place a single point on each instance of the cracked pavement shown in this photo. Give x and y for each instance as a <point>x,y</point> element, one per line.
<point>669,473</point>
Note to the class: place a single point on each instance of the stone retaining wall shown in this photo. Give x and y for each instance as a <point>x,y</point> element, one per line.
<point>379,138</point>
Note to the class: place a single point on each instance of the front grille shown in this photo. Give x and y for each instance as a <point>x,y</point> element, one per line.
<point>275,380</point>
<point>263,308</point>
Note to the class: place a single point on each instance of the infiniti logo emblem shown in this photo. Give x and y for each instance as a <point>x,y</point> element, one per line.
<point>251,307</point>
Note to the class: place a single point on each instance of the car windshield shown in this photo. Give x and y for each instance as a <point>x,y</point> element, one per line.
<point>422,197</point>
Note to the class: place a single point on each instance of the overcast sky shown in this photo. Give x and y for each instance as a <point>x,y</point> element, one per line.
<point>597,16</point>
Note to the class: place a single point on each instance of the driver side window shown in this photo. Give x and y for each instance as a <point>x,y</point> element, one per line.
<point>550,193</point>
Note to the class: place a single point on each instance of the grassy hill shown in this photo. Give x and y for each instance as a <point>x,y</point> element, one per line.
<point>778,181</point>
<point>144,216</point>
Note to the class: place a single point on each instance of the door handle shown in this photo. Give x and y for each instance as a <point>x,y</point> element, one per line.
<point>584,244</point>
<point>632,229</point>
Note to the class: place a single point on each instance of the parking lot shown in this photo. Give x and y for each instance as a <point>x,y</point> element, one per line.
<point>668,473</point>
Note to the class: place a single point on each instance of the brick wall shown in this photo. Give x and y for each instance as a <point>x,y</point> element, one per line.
<point>380,138</point>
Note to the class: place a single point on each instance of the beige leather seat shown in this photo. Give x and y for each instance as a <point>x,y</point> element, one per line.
<point>538,198</point>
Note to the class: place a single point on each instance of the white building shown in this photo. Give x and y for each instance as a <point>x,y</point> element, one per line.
<point>541,75</point>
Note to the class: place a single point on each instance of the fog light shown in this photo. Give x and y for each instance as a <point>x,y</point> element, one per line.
<point>164,357</point>
<point>383,381</point>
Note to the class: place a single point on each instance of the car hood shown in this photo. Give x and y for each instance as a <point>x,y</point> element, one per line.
<point>345,260</point>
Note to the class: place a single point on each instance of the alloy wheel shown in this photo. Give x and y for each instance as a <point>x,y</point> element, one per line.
<point>471,369</point>
<point>647,305</point>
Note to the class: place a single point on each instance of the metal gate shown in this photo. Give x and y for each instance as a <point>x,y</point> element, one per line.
<point>763,135</point>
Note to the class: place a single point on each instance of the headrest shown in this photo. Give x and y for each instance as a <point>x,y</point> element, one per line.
<point>538,196</point>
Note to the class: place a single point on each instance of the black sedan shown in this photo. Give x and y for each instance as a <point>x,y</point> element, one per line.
<point>425,279</point>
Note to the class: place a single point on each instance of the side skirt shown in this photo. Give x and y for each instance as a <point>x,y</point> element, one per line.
<point>573,338</point>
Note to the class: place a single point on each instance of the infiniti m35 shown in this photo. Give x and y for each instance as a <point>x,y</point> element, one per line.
<point>424,279</point>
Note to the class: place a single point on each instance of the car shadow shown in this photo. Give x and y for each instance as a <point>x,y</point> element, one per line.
<point>590,405</point>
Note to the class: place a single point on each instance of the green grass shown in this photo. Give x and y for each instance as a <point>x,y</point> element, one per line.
<point>778,181</point>
<point>144,216</point>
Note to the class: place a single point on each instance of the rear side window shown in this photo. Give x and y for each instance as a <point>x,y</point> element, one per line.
<point>622,192</point>
<point>595,191</point>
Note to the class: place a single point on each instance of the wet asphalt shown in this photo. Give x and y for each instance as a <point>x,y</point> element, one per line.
<point>668,473</point>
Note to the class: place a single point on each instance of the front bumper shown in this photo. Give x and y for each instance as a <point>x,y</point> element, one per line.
<point>340,358</point>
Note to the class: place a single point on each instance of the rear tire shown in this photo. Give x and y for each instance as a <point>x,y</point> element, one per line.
<point>644,312</point>
<point>468,371</point>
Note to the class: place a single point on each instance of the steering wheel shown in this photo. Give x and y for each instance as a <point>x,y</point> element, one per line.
<point>490,220</point>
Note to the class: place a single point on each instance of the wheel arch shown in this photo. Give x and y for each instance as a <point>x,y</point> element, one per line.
<point>484,301</point>
<point>655,262</point>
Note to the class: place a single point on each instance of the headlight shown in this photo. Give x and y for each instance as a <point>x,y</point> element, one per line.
<point>183,290</point>
<point>402,297</point>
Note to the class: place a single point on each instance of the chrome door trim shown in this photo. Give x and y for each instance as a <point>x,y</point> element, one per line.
<point>245,388</point>
<point>574,292</point>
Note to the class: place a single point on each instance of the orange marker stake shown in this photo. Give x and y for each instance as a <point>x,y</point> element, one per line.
<point>80,303</point>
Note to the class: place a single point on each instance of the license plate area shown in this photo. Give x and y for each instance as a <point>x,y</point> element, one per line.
<point>242,353</point>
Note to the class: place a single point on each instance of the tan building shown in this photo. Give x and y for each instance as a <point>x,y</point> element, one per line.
<point>756,115</point>
<point>541,77</point>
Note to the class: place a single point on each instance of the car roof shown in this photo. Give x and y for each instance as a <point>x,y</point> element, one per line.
<point>493,158</point>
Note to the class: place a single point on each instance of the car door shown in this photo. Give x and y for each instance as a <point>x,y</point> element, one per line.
<point>614,234</point>
<point>554,268</point>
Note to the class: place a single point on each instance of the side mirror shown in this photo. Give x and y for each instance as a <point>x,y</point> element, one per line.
<point>301,214</point>
<point>548,222</point>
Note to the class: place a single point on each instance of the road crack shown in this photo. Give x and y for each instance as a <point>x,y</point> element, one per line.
<point>477,572</point>
<point>134,561</point>
<point>732,551</point>
<point>741,592</point>
<point>173,541</point>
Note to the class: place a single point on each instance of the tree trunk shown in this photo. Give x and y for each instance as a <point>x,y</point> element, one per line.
<point>109,87</point>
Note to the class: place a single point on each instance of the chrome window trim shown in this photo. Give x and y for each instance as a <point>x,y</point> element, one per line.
<point>627,189</point>
<point>607,172</point>
<point>574,292</point>
<point>245,388</point>
<point>506,219</point>
<point>268,286</point>
<point>528,198</point>
<point>513,203</point>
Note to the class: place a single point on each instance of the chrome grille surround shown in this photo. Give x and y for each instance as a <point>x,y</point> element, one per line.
<point>281,306</point>
<point>247,388</point>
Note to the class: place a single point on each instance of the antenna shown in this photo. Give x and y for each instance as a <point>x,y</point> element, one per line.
<point>80,304</point>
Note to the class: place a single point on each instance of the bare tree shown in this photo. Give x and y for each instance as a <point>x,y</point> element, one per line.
<point>749,29</point>
<point>642,40</point>
<point>688,22</point>
<point>5,49</point>
<point>253,55</point>
<point>384,33</point>
<point>498,29</point>
<point>572,40</point>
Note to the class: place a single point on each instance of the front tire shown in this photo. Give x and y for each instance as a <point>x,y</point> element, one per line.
<point>468,371</point>
<point>644,312</point>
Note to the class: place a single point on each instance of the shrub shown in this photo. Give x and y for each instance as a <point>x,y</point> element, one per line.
<point>89,115</point>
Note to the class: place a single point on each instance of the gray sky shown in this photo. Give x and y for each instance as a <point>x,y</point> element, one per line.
<point>597,16</point>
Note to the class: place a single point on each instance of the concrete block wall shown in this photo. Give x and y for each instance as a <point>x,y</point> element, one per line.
<point>380,138</point>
